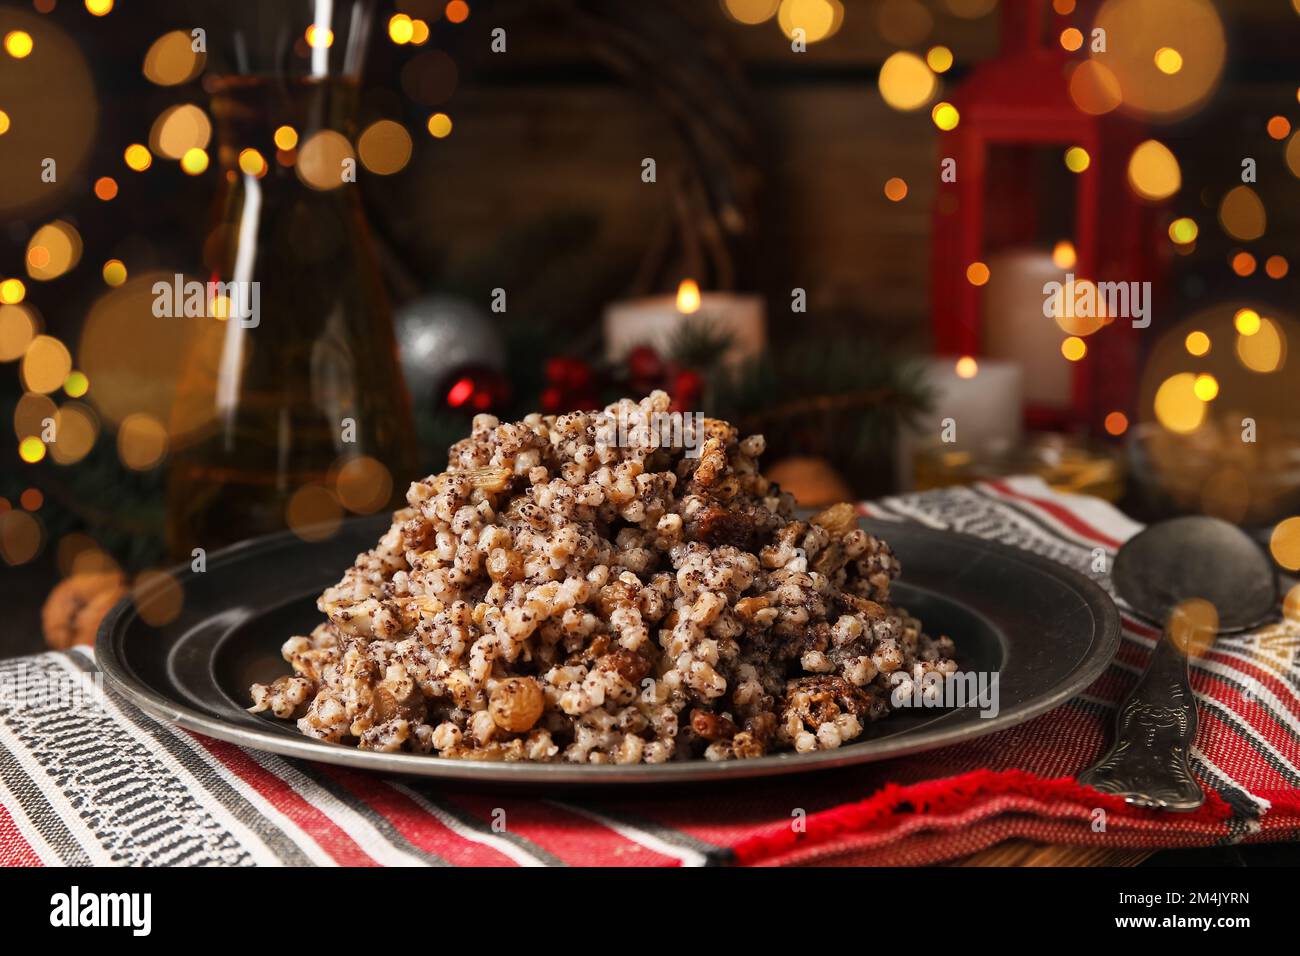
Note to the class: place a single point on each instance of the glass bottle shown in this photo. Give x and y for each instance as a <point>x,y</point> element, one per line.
<point>306,377</point>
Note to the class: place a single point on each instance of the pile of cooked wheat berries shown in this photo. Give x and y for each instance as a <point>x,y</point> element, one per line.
<point>555,596</point>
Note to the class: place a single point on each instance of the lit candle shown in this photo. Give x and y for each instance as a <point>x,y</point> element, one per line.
<point>976,409</point>
<point>654,321</point>
<point>1014,327</point>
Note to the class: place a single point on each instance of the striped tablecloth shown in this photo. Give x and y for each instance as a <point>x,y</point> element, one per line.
<point>94,781</point>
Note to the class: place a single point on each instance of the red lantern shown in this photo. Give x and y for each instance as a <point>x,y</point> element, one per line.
<point>1012,109</point>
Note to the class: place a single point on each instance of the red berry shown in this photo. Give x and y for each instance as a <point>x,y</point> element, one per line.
<point>644,365</point>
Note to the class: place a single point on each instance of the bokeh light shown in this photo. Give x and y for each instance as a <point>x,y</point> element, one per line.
<point>1265,350</point>
<point>1071,39</point>
<point>1206,387</point>
<point>32,412</point>
<point>138,157</point>
<point>939,59</point>
<point>313,513</point>
<point>906,82</point>
<point>77,429</point>
<point>180,129</point>
<point>401,29</point>
<point>1168,60</point>
<point>54,249</point>
<point>363,485</point>
<point>18,44</point>
<point>439,125</point>
<point>172,59</point>
<point>966,367</point>
<point>31,449</point>
<point>319,37</point>
<point>384,147</point>
<point>114,272</point>
<point>945,116</point>
<point>252,163</point>
<point>1177,406</point>
<point>457,11</point>
<point>1153,171</point>
<point>141,441</point>
<point>17,329</point>
<point>1279,127</point>
<point>1116,423</point>
<point>895,189</point>
<point>1243,263</point>
<point>1183,230</point>
<point>977,273</point>
<point>45,364</point>
<point>1064,255</point>
<point>76,384</point>
<point>1094,88</point>
<point>138,363</point>
<point>1284,543</point>
<point>1147,39</point>
<point>12,291</point>
<point>818,19</point>
<point>1276,267</point>
<point>751,12</point>
<point>286,137</point>
<point>322,159</point>
<point>158,597</point>
<point>1077,159</point>
<point>1074,348</point>
<point>1197,343</point>
<point>20,537</point>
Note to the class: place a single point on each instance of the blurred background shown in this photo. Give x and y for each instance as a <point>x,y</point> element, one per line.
<point>833,221</point>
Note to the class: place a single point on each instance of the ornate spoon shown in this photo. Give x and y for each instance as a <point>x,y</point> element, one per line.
<point>1196,577</point>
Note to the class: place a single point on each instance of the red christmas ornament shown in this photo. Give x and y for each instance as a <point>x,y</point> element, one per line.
<point>476,389</point>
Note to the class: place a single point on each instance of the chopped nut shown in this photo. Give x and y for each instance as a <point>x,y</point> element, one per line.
<point>746,608</point>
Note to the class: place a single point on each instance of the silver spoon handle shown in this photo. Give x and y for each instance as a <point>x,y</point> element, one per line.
<point>1148,764</point>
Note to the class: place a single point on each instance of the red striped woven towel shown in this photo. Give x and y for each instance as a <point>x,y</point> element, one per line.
<point>109,785</point>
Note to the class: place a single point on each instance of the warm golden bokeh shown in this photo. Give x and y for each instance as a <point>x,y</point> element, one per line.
<point>179,129</point>
<point>60,245</point>
<point>1177,407</point>
<point>313,513</point>
<point>45,365</point>
<point>172,60</point>
<point>1153,171</point>
<point>906,82</point>
<point>323,159</point>
<point>141,441</point>
<point>1242,215</point>
<point>384,147</point>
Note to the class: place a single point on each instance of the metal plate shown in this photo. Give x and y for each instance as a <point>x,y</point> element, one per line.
<point>1047,631</point>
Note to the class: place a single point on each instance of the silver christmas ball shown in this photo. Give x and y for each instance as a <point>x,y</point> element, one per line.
<point>439,334</point>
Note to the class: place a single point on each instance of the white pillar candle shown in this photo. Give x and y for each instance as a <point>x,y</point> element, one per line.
<point>1015,328</point>
<point>654,321</point>
<point>977,408</point>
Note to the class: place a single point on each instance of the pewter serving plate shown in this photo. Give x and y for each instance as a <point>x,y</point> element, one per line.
<point>1047,631</point>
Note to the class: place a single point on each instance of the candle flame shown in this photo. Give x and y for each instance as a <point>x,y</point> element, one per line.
<point>967,367</point>
<point>688,297</point>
